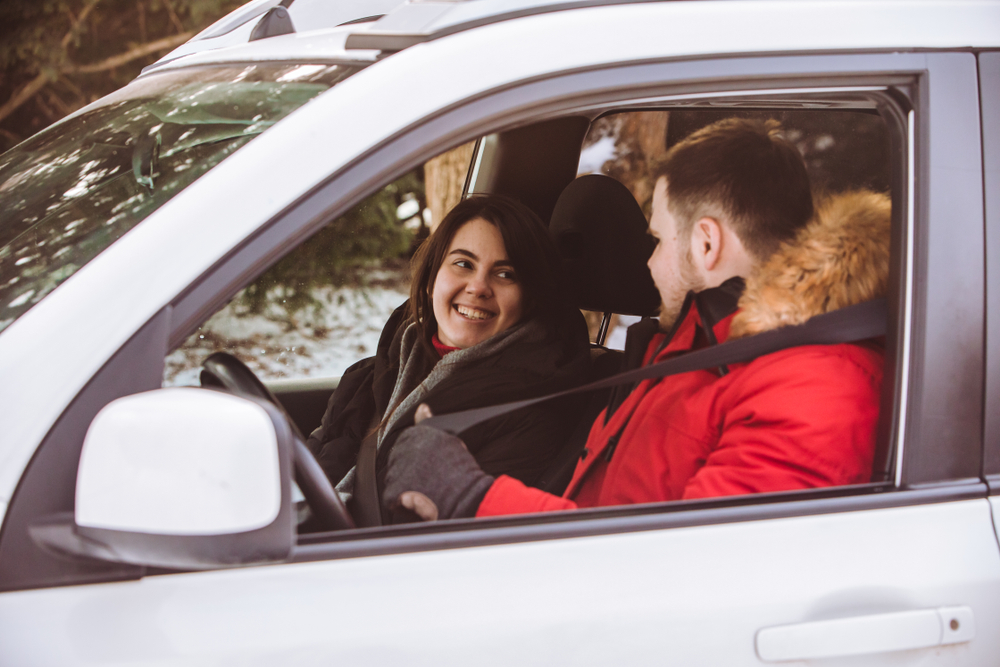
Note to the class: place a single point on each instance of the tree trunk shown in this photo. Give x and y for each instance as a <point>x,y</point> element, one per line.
<point>444,178</point>
<point>642,140</point>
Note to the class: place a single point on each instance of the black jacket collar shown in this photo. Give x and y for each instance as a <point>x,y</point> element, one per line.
<point>714,305</point>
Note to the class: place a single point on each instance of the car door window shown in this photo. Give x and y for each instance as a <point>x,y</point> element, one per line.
<point>322,307</point>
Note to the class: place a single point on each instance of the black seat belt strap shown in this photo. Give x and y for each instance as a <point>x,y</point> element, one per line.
<point>366,508</point>
<point>854,323</point>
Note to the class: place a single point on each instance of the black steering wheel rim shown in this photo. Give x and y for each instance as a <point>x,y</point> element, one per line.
<point>225,371</point>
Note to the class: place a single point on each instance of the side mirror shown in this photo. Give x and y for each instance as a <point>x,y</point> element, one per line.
<point>183,478</point>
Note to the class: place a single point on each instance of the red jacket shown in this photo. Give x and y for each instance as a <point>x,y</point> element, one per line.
<point>799,418</point>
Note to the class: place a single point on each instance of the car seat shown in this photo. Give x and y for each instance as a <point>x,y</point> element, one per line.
<point>601,234</point>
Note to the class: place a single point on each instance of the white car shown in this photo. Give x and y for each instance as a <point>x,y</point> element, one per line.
<point>125,227</point>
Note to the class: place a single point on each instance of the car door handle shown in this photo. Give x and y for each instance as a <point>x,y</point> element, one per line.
<point>858,635</point>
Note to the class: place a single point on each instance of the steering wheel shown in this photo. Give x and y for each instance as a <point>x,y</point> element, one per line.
<point>222,369</point>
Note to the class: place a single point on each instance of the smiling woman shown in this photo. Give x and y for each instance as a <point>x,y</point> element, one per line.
<point>484,325</point>
<point>489,263</point>
<point>476,293</point>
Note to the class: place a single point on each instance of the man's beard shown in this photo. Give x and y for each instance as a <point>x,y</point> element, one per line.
<point>688,280</point>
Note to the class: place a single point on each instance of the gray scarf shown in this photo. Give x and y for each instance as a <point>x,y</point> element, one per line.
<point>409,391</point>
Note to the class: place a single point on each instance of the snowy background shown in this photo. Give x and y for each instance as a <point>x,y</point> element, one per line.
<point>319,341</point>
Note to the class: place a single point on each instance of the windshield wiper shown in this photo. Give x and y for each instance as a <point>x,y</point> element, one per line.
<point>145,160</point>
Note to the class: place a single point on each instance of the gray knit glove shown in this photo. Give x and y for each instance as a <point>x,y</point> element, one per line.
<point>438,466</point>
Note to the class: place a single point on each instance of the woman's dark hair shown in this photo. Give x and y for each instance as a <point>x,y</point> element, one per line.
<point>529,247</point>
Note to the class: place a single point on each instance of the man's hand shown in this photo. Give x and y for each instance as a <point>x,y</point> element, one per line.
<point>414,501</point>
<point>433,475</point>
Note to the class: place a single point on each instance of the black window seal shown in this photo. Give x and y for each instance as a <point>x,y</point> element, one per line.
<point>467,533</point>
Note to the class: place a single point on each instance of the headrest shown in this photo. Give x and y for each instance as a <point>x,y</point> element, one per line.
<point>601,234</point>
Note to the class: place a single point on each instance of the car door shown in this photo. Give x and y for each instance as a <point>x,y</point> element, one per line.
<point>903,572</point>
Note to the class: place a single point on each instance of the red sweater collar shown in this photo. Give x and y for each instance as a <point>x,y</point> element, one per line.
<point>440,347</point>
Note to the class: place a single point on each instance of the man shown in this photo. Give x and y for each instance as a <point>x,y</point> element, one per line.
<point>732,202</point>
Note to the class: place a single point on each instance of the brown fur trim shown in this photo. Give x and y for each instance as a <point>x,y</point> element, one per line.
<point>839,259</point>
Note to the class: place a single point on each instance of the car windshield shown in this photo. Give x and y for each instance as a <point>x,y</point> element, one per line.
<point>72,190</point>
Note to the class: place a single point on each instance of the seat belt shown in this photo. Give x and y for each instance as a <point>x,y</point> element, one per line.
<point>854,323</point>
<point>366,508</point>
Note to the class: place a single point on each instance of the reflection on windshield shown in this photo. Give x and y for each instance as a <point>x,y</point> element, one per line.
<point>71,191</point>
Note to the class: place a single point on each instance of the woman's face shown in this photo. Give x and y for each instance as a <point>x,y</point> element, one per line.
<point>476,292</point>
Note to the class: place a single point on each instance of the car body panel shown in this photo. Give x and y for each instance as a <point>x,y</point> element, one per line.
<point>140,274</point>
<point>947,187</point>
<point>319,45</point>
<point>638,599</point>
<point>236,28</point>
<point>868,21</point>
<point>686,587</point>
<point>995,508</point>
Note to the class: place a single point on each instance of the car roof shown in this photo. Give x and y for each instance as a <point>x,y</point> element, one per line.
<point>398,24</point>
<point>363,30</point>
<point>419,21</point>
<point>307,17</point>
<point>359,29</point>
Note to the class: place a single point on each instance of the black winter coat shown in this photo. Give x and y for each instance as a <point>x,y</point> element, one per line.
<point>521,444</point>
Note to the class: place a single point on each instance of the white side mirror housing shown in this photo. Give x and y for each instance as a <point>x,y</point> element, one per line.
<point>186,478</point>
<point>179,462</point>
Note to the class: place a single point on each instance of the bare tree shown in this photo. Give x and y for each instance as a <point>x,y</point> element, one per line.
<point>57,56</point>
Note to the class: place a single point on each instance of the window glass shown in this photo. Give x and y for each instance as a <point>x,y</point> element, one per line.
<point>74,189</point>
<point>843,150</point>
<point>323,306</point>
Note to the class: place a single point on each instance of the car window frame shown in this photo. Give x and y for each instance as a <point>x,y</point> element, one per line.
<point>989,80</point>
<point>918,474</point>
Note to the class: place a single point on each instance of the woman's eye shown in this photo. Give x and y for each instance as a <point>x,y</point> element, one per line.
<point>463,264</point>
<point>507,275</point>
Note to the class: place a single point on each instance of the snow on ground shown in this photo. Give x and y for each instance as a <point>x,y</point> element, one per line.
<point>314,342</point>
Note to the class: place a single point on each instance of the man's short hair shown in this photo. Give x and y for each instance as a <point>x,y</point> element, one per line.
<point>741,172</point>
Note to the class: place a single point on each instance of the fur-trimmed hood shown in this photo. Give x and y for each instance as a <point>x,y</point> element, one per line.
<point>840,258</point>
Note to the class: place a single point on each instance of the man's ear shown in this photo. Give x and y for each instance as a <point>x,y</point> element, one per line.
<point>706,243</point>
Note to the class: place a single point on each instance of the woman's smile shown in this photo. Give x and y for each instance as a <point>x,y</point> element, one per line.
<point>474,313</point>
<point>476,293</point>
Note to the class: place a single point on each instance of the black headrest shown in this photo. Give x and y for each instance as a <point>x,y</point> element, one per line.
<point>601,234</point>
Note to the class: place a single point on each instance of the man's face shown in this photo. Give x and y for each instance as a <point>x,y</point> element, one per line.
<point>671,264</point>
